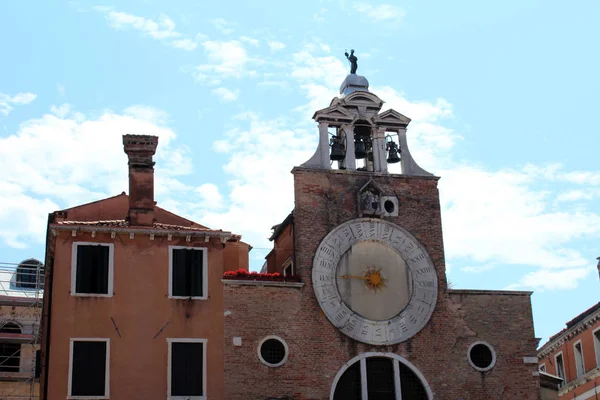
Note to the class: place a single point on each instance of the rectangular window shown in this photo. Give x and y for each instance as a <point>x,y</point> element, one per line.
<point>187,369</point>
<point>188,275</point>
<point>288,267</point>
<point>597,346</point>
<point>38,363</point>
<point>92,269</point>
<point>560,367</point>
<point>89,368</point>
<point>543,367</point>
<point>579,366</point>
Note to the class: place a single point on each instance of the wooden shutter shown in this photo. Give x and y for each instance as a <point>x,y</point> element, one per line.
<point>186,369</point>
<point>88,375</point>
<point>180,273</point>
<point>92,269</point>
<point>187,270</point>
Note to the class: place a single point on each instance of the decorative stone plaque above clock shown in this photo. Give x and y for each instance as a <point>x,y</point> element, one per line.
<point>374,281</point>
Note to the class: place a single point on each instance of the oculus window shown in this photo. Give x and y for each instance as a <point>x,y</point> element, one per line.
<point>481,356</point>
<point>273,351</point>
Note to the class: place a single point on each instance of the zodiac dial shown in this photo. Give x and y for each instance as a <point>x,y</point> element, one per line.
<point>374,281</point>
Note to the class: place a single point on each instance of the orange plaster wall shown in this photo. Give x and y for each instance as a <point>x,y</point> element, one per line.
<point>140,307</point>
<point>283,248</point>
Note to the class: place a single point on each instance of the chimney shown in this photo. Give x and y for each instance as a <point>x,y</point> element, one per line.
<point>139,150</point>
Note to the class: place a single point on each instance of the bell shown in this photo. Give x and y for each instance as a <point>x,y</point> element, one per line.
<point>337,149</point>
<point>360,150</point>
<point>393,156</point>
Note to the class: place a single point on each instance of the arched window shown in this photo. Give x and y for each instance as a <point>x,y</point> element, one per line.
<point>10,353</point>
<point>380,376</point>
<point>30,272</point>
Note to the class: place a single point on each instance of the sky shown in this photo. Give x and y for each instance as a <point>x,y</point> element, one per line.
<point>503,98</point>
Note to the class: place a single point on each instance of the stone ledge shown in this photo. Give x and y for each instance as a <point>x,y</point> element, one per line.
<point>241,282</point>
<point>490,292</point>
<point>366,173</point>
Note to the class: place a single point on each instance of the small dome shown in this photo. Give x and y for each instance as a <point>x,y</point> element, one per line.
<point>353,83</point>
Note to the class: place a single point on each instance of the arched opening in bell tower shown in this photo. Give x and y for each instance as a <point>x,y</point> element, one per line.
<point>363,145</point>
<point>380,376</point>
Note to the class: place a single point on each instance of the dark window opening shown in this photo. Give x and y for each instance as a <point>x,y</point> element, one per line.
<point>389,206</point>
<point>10,353</point>
<point>272,351</point>
<point>187,273</point>
<point>186,369</point>
<point>38,363</point>
<point>481,356</point>
<point>411,385</point>
<point>88,374</point>
<point>30,274</point>
<point>92,269</point>
<point>348,386</point>
<point>380,378</point>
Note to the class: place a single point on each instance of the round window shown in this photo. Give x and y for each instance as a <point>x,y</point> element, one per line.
<point>481,356</point>
<point>272,351</point>
<point>389,206</point>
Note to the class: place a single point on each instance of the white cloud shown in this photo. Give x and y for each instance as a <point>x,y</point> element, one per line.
<point>275,45</point>
<point>222,26</point>
<point>61,90</point>
<point>381,12</point>
<point>53,162</point>
<point>8,102</point>
<point>211,197</point>
<point>163,29</point>
<point>226,59</point>
<point>544,279</point>
<point>225,94</point>
<point>61,111</point>
<point>184,44</point>
<point>249,40</point>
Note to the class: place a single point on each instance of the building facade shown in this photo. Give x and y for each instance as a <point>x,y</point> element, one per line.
<point>21,293</point>
<point>134,300</point>
<point>573,354</point>
<point>353,302</point>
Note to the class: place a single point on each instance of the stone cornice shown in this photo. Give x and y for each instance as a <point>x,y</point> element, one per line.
<point>553,345</point>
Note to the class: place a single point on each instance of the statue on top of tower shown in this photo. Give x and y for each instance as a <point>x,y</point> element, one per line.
<point>353,61</point>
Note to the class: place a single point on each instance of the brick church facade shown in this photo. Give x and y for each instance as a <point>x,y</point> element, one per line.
<point>363,310</point>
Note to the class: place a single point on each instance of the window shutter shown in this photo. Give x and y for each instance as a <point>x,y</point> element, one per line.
<point>83,273</point>
<point>195,260</point>
<point>186,369</point>
<point>92,269</point>
<point>180,274</point>
<point>89,369</point>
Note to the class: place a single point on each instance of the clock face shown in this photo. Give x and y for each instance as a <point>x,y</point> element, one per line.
<point>374,281</point>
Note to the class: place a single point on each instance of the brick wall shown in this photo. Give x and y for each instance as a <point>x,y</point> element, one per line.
<point>318,350</point>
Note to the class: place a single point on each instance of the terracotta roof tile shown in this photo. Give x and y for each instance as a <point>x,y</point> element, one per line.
<point>121,223</point>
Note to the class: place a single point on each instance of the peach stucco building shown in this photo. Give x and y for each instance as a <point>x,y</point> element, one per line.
<point>134,295</point>
<point>573,354</point>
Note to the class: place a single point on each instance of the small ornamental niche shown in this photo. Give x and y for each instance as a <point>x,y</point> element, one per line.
<point>273,351</point>
<point>481,356</point>
<point>369,200</point>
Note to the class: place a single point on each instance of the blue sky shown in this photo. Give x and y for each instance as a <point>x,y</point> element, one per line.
<point>503,99</point>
